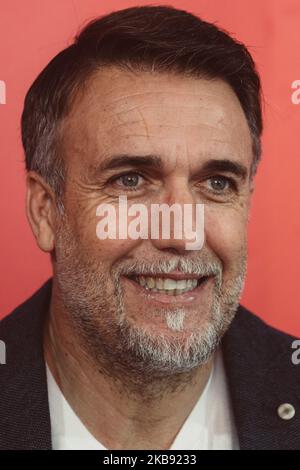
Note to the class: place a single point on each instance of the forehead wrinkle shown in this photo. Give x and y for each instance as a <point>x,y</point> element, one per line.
<point>153,121</point>
<point>152,93</point>
<point>127,107</point>
<point>112,104</point>
<point>170,107</point>
<point>154,131</point>
<point>167,112</point>
<point>108,89</point>
<point>141,112</point>
<point>158,130</point>
<point>166,134</point>
<point>173,82</point>
<point>123,132</point>
<point>109,106</point>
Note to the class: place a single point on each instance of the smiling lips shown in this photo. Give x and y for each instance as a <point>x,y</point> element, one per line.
<point>173,285</point>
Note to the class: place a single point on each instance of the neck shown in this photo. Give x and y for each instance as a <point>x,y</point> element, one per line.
<point>120,413</point>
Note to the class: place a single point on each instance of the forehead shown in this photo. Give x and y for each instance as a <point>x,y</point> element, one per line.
<point>179,118</point>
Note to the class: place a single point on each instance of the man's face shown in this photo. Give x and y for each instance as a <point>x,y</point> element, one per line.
<point>120,294</point>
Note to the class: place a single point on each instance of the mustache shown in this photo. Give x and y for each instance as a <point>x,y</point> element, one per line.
<point>202,266</point>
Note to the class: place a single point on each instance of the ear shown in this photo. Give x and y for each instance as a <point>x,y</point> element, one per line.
<point>40,210</point>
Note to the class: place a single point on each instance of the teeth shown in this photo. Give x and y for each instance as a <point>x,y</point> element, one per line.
<point>167,285</point>
<point>170,284</point>
<point>150,282</point>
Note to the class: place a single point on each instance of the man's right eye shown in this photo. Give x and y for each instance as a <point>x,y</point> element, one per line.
<point>130,181</point>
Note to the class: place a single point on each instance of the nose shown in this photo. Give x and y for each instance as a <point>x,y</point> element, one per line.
<point>178,220</point>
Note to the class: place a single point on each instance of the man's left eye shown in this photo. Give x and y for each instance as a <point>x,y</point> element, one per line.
<point>219,183</point>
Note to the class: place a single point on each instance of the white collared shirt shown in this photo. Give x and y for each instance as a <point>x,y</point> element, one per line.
<point>210,425</point>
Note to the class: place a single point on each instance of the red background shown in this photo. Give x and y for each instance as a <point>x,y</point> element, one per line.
<point>33,31</point>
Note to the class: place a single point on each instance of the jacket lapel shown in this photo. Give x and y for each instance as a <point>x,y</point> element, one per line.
<point>24,409</point>
<point>261,376</point>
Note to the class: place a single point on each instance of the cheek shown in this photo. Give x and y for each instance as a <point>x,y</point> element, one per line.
<point>226,233</point>
<point>107,250</point>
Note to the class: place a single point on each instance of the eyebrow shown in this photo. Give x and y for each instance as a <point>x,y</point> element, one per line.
<point>155,162</point>
<point>117,161</point>
<point>225,165</point>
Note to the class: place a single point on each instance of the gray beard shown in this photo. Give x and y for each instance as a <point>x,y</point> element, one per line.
<point>128,352</point>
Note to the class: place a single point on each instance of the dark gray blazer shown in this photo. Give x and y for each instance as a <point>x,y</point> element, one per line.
<point>258,365</point>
